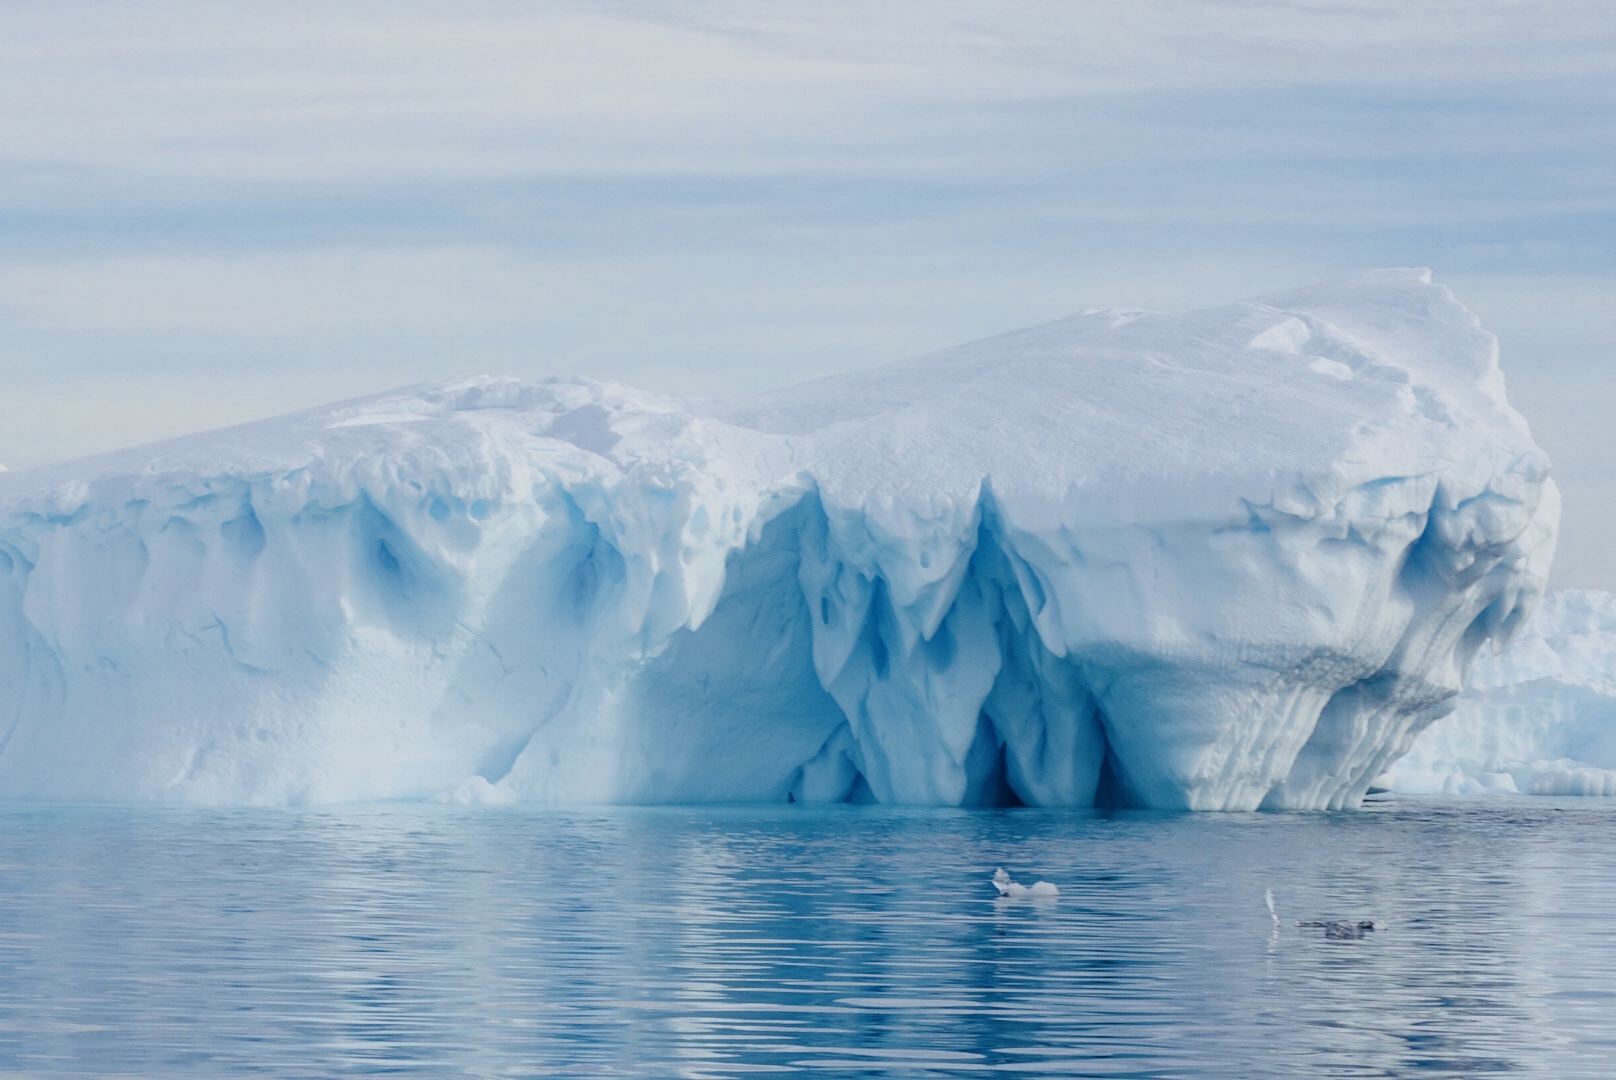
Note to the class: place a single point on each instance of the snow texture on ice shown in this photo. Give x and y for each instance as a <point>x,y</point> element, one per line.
<point>1219,560</point>
<point>1538,717</point>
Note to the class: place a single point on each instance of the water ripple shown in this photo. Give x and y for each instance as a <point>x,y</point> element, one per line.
<point>848,942</point>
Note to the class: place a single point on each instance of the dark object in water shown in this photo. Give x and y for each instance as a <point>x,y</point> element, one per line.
<point>1373,790</point>
<point>1342,930</point>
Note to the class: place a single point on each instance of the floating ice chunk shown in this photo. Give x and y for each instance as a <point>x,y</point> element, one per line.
<point>1179,561</point>
<point>1570,778</point>
<point>1010,890</point>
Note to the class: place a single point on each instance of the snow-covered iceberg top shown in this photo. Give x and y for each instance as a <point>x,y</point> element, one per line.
<point>1225,559</point>
<point>1539,716</point>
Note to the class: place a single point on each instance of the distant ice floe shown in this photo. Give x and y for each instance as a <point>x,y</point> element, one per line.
<point>1539,717</point>
<point>1220,560</point>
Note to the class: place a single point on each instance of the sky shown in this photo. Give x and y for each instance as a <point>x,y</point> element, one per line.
<point>214,212</point>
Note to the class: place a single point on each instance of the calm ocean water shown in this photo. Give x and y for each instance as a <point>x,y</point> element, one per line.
<point>843,942</point>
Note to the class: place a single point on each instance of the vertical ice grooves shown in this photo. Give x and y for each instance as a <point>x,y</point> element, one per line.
<point>1207,560</point>
<point>979,711</point>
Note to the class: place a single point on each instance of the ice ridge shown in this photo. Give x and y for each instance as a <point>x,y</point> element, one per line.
<point>1227,559</point>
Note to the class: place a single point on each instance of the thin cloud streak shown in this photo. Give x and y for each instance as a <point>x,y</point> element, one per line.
<point>214,212</point>
<point>346,90</point>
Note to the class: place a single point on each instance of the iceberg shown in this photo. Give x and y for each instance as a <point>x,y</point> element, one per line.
<point>1539,715</point>
<point>1221,560</point>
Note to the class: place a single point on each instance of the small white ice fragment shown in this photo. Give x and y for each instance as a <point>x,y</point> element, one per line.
<point>1015,891</point>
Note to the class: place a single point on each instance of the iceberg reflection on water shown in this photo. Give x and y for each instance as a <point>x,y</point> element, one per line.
<point>844,941</point>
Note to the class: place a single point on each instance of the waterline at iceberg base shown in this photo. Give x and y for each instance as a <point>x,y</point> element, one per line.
<point>1229,559</point>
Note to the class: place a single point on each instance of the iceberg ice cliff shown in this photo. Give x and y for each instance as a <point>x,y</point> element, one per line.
<point>1538,717</point>
<point>1228,559</point>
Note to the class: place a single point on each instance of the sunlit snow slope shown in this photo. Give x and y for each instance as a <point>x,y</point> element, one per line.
<point>1232,558</point>
<point>1537,717</point>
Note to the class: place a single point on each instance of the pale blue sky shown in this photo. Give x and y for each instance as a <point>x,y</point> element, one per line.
<point>211,212</point>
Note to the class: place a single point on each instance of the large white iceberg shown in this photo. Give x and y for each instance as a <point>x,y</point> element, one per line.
<point>1227,559</point>
<point>1538,716</point>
